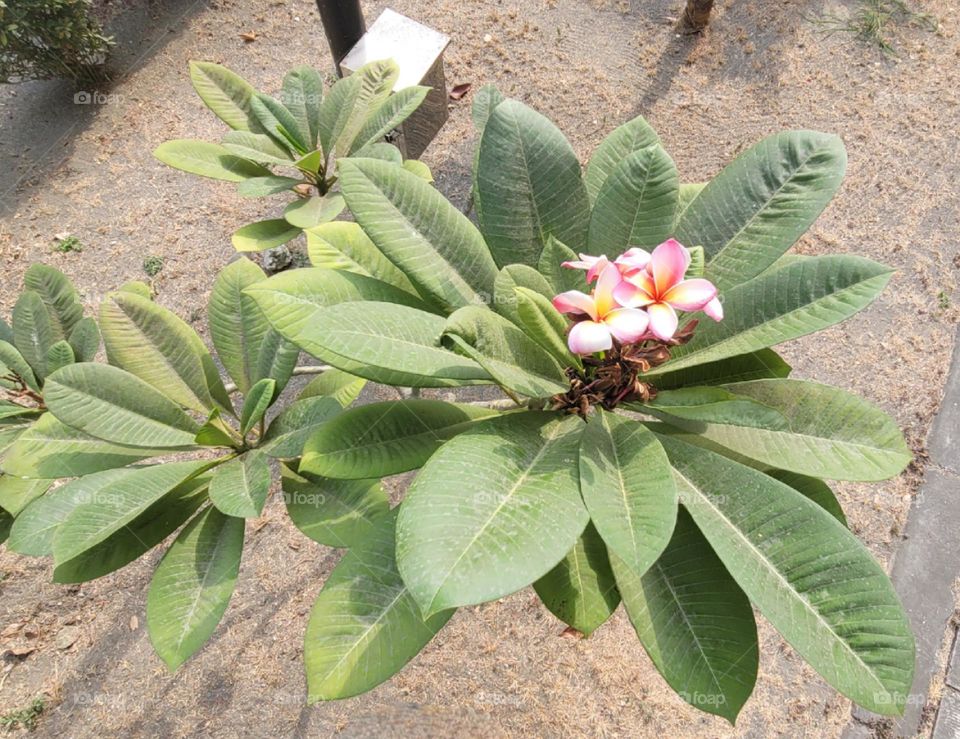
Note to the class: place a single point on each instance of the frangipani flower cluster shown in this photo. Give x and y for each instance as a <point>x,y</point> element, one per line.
<point>636,298</point>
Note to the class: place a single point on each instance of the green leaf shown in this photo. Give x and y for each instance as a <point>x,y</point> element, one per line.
<point>386,438</point>
<point>16,493</point>
<point>192,585</point>
<point>335,513</point>
<point>137,288</point>
<point>240,487</point>
<point>6,333</point>
<point>154,344</point>
<point>124,518</point>
<point>279,123</point>
<point>551,267</point>
<point>35,527</point>
<point>344,245</point>
<point>786,303</point>
<point>759,365</point>
<point>255,404</point>
<point>247,345</point>
<point>14,362</point>
<point>376,83</point>
<point>207,160</point>
<point>58,294</point>
<point>33,331</point>
<point>48,448</point>
<point>262,235</point>
<point>694,622</point>
<point>508,354</point>
<point>493,510</point>
<point>808,428</point>
<point>339,385</point>
<point>421,232</point>
<point>528,186</point>
<point>216,432</point>
<point>257,187</point>
<point>381,150</point>
<point>688,193</point>
<point>391,114</point>
<point>809,576</point>
<point>6,522</point>
<point>580,590</point>
<point>312,162</point>
<point>59,355</point>
<point>225,93</point>
<point>116,406</point>
<point>508,279</point>
<point>257,147</point>
<point>335,110</point>
<point>290,430</point>
<point>545,325</point>
<point>420,169</point>
<point>632,136</point>
<point>364,626</point>
<point>485,100</point>
<point>85,340</point>
<point>759,205</point>
<point>628,488</point>
<point>636,204</point>
<point>814,488</point>
<point>388,343</point>
<point>302,95</point>
<point>310,212</point>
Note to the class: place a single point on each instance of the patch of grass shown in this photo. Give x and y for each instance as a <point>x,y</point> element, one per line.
<point>153,265</point>
<point>25,717</point>
<point>943,300</point>
<point>68,244</point>
<point>872,21</point>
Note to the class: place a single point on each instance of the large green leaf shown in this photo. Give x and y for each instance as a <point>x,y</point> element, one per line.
<point>85,340</point>
<point>60,297</point>
<point>249,348</point>
<point>335,110</point>
<point>48,448</point>
<point>34,331</point>
<point>528,186</point>
<point>561,278</point>
<point>295,424</point>
<point>636,204</point>
<point>793,425</point>
<point>34,529</point>
<point>225,93</point>
<point>302,95</point>
<point>336,513</point>
<point>391,114</point>
<point>421,232</point>
<point>485,100</point>
<point>783,304</point>
<point>759,205</point>
<point>192,585</point>
<point>16,493</point>
<point>386,438</point>
<point>264,235</point>
<point>510,356</point>
<point>12,360</point>
<point>312,211</point>
<point>340,385</point>
<point>580,590</point>
<point>508,280</point>
<point>124,518</point>
<point>240,487</point>
<point>632,136</point>
<point>758,365</point>
<point>279,123</point>
<point>208,160</point>
<point>388,343</point>
<point>544,324</point>
<point>364,626</point>
<point>628,488</point>
<point>344,245</point>
<point>376,83</point>
<point>114,405</point>
<point>815,489</point>
<point>493,510</point>
<point>255,404</point>
<point>151,342</point>
<point>694,622</point>
<point>809,576</point>
<point>258,187</point>
<point>59,355</point>
<point>257,147</point>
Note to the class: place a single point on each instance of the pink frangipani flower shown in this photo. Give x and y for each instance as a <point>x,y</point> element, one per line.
<point>662,291</point>
<point>593,265</point>
<point>606,318</point>
<point>632,260</point>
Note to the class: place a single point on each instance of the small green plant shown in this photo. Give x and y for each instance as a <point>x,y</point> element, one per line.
<point>68,244</point>
<point>872,19</point>
<point>152,265</point>
<point>303,133</point>
<point>943,300</point>
<point>24,717</point>
<point>40,39</point>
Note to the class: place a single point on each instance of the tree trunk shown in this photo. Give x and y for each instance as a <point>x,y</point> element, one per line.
<point>696,16</point>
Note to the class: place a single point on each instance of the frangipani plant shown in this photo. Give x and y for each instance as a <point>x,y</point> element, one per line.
<point>48,331</point>
<point>666,464</point>
<point>303,134</point>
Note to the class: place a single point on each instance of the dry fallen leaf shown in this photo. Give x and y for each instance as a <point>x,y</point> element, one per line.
<point>11,630</point>
<point>249,37</point>
<point>134,623</point>
<point>460,90</point>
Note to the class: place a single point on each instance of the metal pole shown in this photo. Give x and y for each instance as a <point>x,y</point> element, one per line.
<point>343,24</point>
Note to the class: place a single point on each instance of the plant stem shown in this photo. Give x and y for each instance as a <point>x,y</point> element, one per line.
<point>311,369</point>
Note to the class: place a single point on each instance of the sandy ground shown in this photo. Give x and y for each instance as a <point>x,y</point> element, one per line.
<point>503,668</point>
